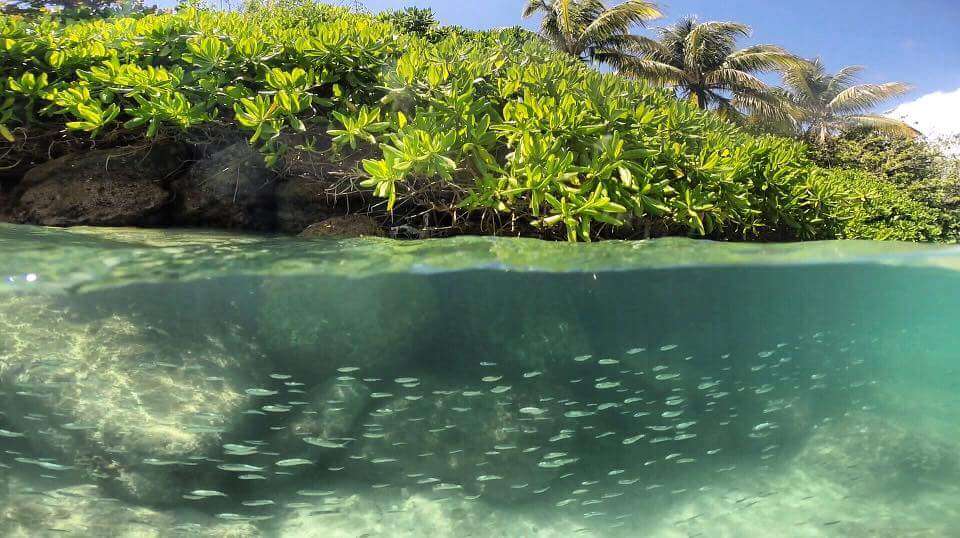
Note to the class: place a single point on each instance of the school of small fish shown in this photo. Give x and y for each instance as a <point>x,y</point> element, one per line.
<point>582,436</point>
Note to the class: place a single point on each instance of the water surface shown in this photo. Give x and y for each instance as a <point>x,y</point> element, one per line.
<point>158,383</point>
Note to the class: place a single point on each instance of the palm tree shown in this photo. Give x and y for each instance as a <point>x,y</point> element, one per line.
<point>821,104</point>
<point>700,61</point>
<point>588,29</point>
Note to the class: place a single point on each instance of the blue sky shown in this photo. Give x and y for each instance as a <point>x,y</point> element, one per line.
<point>914,41</point>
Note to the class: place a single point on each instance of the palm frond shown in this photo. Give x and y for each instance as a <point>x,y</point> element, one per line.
<point>580,27</point>
<point>844,79</point>
<point>536,6</point>
<point>651,49</point>
<point>883,124</point>
<point>620,18</point>
<point>614,57</point>
<point>767,106</point>
<point>565,16</point>
<point>728,109</point>
<point>734,80</point>
<point>715,37</point>
<point>705,31</point>
<point>802,79</point>
<point>763,58</point>
<point>638,44</point>
<point>856,99</point>
<point>652,71</point>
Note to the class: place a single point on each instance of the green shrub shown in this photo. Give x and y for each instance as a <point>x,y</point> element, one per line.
<point>417,22</point>
<point>898,159</point>
<point>76,9</point>
<point>485,125</point>
<point>884,211</point>
<point>918,169</point>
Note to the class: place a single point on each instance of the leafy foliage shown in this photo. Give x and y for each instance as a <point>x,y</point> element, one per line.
<point>75,9</point>
<point>915,166</point>
<point>419,22</point>
<point>548,140</point>
<point>886,212</point>
<point>900,160</point>
<point>491,125</point>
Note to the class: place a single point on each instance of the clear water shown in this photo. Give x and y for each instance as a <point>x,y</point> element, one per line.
<point>171,383</point>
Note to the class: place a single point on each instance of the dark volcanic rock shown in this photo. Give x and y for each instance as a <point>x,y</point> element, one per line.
<point>345,226</point>
<point>4,207</point>
<point>302,202</point>
<point>92,202</point>
<point>319,185</point>
<point>232,188</point>
<point>112,187</point>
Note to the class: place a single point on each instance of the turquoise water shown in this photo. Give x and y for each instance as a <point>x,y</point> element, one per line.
<point>157,383</point>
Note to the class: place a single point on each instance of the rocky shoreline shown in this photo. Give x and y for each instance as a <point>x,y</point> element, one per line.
<point>173,184</point>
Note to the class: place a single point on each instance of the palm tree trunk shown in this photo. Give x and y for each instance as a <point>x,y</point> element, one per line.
<point>700,97</point>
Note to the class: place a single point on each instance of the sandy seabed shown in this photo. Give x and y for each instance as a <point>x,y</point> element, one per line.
<point>793,503</point>
<point>826,491</point>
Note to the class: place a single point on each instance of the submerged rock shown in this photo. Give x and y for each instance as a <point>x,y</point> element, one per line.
<point>504,446</point>
<point>313,326</point>
<point>328,418</point>
<point>111,187</point>
<point>117,400</point>
<point>344,227</point>
<point>874,455</point>
<point>232,188</point>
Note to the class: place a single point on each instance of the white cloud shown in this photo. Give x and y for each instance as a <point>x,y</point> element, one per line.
<point>936,115</point>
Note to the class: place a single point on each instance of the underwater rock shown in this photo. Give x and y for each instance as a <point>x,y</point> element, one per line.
<point>312,326</point>
<point>344,227</point>
<point>83,511</point>
<point>501,445</point>
<point>115,399</point>
<point>330,417</point>
<point>232,188</point>
<point>874,455</point>
<point>537,329</point>
<point>110,187</point>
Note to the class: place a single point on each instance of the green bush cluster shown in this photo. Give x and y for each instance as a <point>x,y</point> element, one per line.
<point>419,22</point>
<point>885,211</point>
<point>918,169</point>
<point>489,122</point>
<point>266,70</point>
<point>898,159</point>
